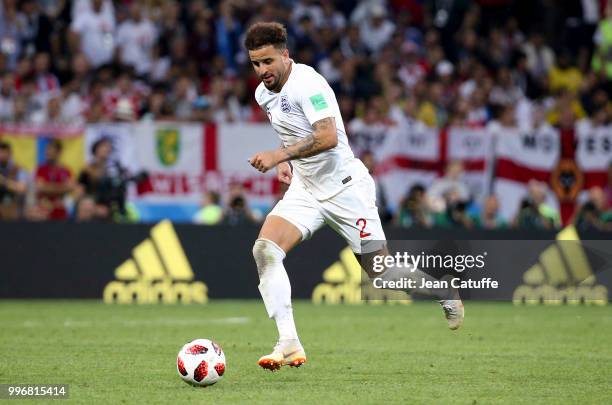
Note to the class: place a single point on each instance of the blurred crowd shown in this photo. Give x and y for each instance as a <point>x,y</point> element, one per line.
<point>447,203</point>
<point>441,62</point>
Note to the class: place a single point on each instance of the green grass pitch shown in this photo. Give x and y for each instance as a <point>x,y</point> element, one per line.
<point>356,354</point>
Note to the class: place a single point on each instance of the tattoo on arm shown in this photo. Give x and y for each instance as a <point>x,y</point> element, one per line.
<point>323,125</point>
<point>312,144</point>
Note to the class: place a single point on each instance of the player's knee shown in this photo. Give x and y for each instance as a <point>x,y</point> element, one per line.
<point>265,253</point>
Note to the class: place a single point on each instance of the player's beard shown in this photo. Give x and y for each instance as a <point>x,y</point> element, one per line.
<point>274,85</point>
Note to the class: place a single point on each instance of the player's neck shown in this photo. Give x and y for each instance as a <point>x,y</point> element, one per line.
<point>284,79</point>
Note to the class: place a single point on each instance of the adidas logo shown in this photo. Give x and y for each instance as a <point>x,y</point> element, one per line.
<point>563,274</point>
<point>343,283</point>
<point>158,272</point>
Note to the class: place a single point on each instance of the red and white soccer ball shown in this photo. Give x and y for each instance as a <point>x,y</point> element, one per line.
<point>201,362</point>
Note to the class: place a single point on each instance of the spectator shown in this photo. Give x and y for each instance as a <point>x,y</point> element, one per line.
<point>86,209</point>
<point>451,185</point>
<point>351,46</point>
<point>20,110</point>
<point>92,32</point>
<point>377,30</point>
<point>231,101</point>
<point>237,211</point>
<point>433,110</point>
<point>211,212</point>
<point>330,17</point>
<point>11,34</point>
<point>46,82</point>
<point>592,215</point>
<point>330,67</point>
<point>228,31</point>
<point>81,76</point>
<point>307,8</point>
<point>540,57</point>
<point>478,113</point>
<point>135,39</point>
<point>505,92</point>
<point>367,133</point>
<point>412,69</point>
<point>53,183</point>
<point>533,212</point>
<point>601,63</point>
<point>95,109</point>
<point>124,101</point>
<point>413,210</point>
<point>34,101</point>
<point>564,76</point>
<point>182,98</point>
<point>523,78</point>
<point>53,113</point>
<point>156,106</point>
<point>489,217</point>
<point>169,27</point>
<point>106,181</point>
<point>455,213</point>
<point>202,45</point>
<point>37,28</point>
<point>7,97</point>
<point>13,185</point>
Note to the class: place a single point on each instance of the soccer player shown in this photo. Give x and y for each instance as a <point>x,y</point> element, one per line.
<point>327,185</point>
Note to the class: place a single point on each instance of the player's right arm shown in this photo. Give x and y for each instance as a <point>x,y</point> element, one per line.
<point>319,105</point>
<point>323,137</point>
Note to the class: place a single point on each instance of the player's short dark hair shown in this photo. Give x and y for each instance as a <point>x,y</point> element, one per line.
<point>5,146</point>
<point>265,33</point>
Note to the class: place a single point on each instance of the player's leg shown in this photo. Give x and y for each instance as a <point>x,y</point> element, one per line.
<point>449,298</point>
<point>293,219</point>
<point>353,214</point>
<point>276,238</point>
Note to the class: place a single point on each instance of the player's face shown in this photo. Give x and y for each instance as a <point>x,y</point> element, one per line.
<point>270,65</point>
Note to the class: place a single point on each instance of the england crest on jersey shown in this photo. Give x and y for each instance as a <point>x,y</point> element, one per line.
<point>285,107</point>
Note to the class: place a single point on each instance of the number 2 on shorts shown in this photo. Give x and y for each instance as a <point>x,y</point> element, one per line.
<point>362,233</point>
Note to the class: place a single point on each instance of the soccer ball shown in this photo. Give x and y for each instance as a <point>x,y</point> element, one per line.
<point>201,362</point>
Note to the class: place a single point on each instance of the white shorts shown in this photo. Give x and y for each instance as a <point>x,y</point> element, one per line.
<point>352,213</point>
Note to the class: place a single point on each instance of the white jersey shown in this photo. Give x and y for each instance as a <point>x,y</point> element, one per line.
<point>305,99</point>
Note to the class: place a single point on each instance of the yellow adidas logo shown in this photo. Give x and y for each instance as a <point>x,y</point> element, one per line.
<point>563,274</point>
<point>342,283</point>
<point>158,272</point>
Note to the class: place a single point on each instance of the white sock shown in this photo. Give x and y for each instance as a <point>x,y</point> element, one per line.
<point>274,286</point>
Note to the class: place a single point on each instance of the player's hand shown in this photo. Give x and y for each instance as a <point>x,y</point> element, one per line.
<point>264,161</point>
<point>284,173</point>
